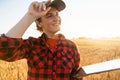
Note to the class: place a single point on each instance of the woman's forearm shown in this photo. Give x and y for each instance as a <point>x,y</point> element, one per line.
<point>18,30</point>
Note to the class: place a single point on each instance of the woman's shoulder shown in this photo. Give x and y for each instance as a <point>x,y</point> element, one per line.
<point>66,40</point>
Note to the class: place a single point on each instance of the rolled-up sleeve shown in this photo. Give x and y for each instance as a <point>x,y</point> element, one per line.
<point>12,49</point>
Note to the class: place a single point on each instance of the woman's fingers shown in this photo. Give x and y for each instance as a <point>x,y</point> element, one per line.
<point>47,2</point>
<point>43,6</point>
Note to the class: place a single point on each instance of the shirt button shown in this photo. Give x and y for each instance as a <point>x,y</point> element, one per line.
<point>53,72</point>
<point>56,47</point>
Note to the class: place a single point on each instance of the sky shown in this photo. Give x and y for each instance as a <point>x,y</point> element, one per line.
<point>81,18</point>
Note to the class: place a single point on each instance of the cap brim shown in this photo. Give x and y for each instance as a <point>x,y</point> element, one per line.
<point>58,4</point>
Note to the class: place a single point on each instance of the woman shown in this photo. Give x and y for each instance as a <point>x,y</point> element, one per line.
<point>50,56</point>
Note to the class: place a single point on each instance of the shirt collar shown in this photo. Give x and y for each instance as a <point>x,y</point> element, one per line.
<point>58,36</point>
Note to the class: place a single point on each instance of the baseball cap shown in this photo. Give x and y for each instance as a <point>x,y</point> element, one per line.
<point>58,4</point>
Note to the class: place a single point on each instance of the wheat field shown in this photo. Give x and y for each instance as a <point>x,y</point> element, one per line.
<point>91,51</point>
<point>99,50</point>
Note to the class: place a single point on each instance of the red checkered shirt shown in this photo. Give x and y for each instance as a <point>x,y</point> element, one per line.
<point>43,63</point>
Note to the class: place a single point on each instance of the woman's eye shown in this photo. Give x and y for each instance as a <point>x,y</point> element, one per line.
<point>49,16</point>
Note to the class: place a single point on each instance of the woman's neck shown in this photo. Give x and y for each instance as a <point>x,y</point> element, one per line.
<point>51,35</point>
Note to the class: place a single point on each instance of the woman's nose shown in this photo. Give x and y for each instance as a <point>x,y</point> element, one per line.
<point>56,18</point>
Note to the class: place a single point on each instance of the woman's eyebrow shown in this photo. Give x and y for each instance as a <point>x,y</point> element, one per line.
<point>48,13</point>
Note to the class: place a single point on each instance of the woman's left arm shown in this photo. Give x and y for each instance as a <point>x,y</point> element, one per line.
<point>76,64</point>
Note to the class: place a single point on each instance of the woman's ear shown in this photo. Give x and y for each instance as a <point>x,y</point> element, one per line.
<point>38,23</point>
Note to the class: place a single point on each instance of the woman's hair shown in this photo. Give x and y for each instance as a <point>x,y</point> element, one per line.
<point>39,28</point>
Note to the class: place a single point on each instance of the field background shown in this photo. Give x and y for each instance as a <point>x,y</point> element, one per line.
<point>91,51</point>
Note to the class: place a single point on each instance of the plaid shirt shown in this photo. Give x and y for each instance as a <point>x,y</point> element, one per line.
<point>43,63</point>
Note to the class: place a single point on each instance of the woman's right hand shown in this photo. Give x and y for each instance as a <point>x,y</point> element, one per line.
<point>38,9</point>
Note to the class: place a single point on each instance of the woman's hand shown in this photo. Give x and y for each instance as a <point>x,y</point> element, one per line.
<point>38,9</point>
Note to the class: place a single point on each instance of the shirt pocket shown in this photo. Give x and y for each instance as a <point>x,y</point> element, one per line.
<point>39,61</point>
<point>42,63</point>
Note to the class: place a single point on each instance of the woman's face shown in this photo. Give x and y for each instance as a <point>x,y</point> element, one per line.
<point>51,22</point>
